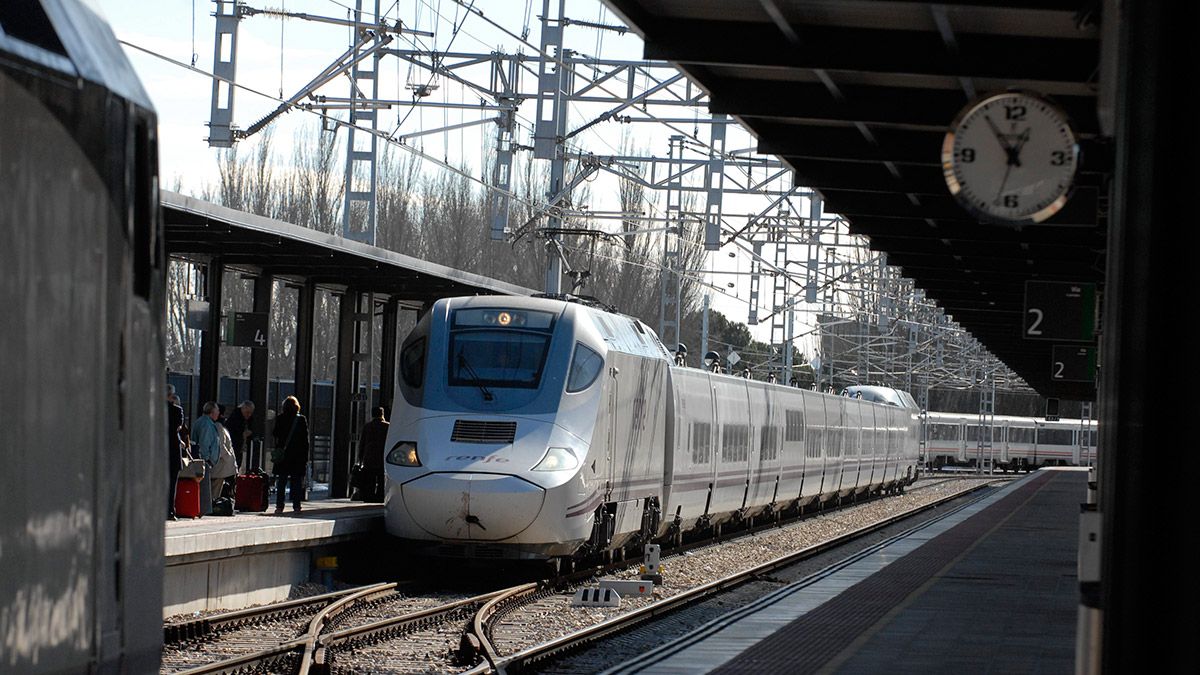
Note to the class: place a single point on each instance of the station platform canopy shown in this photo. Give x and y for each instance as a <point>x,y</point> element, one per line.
<point>196,228</point>
<point>856,97</point>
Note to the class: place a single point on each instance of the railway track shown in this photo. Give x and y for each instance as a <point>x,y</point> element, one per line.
<point>382,629</point>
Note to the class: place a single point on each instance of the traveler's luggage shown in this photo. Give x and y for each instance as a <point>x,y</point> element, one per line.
<point>358,489</point>
<point>223,506</point>
<point>206,496</point>
<point>251,491</point>
<point>187,498</point>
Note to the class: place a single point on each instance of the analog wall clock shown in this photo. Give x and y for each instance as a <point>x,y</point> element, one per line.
<point>1010,158</point>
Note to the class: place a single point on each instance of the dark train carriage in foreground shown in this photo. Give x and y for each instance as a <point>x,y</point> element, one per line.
<point>84,469</point>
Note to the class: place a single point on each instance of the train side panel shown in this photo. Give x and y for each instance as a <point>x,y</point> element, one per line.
<point>693,471</point>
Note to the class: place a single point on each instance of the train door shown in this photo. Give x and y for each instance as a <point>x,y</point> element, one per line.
<point>814,423</point>
<point>836,448</point>
<point>733,445</point>
<point>818,432</point>
<point>765,445</point>
<point>870,443</point>
<point>792,405</point>
<point>854,446</point>
<point>889,444</point>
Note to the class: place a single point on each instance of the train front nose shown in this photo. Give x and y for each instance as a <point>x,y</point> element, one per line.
<point>472,506</point>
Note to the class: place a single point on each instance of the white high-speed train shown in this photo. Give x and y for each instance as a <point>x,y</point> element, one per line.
<point>534,428</point>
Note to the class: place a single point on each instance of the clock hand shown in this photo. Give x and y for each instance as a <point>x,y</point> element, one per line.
<point>1003,182</point>
<point>1015,154</point>
<point>1000,137</point>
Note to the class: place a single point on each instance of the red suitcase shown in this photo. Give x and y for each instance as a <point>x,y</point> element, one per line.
<point>250,493</point>
<point>252,489</point>
<point>187,498</point>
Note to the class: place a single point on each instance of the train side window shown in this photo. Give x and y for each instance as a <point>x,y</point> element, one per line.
<point>794,425</point>
<point>944,432</point>
<point>769,444</point>
<point>412,363</point>
<point>812,443</point>
<point>586,365</point>
<point>735,442</point>
<point>701,442</point>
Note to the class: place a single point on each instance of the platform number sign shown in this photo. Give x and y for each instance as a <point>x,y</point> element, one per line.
<point>1060,311</point>
<point>247,329</point>
<point>1073,364</point>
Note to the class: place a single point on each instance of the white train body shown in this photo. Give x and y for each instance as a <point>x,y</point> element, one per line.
<point>537,428</point>
<point>952,439</point>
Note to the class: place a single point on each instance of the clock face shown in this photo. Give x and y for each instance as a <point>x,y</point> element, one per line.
<point>1010,158</point>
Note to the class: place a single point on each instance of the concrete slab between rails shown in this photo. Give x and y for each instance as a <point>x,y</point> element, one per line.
<point>248,559</point>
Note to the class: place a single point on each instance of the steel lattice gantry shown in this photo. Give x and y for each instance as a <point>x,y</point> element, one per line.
<point>856,98</point>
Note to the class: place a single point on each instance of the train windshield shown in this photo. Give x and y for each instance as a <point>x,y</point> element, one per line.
<point>499,348</point>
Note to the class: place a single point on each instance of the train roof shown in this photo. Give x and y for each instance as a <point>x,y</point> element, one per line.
<point>935,416</point>
<point>885,395</point>
<point>620,332</point>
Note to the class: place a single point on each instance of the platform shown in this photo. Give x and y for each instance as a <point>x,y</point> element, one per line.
<point>246,559</point>
<point>992,588</point>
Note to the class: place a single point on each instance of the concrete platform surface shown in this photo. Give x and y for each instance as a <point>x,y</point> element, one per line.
<point>229,562</point>
<point>990,588</point>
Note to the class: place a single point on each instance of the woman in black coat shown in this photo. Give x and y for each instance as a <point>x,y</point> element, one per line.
<point>291,449</point>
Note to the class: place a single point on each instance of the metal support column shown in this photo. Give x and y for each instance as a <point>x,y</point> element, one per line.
<point>389,342</point>
<point>305,312</point>
<point>668,318</point>
<point>351,399</point>
<point>551,125</point>
<point>220,124</point>
<point>362,171</point>
<point>987,420</point>
<point>209,377</point>
<point>498,201</point>
<point>259,360</point>
<point>714,184</point>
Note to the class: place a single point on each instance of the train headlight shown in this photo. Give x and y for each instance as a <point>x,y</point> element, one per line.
<point>404,453</point>
<point>557,459</point>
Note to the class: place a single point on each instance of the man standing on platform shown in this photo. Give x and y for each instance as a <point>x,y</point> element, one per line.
<point>240,430</point>
<point>371,442</point>
<point>205,434</point>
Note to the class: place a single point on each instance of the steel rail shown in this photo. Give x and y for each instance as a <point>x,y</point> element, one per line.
<point>299,648</point>
<point>197,628</point>
<point>571,641</point>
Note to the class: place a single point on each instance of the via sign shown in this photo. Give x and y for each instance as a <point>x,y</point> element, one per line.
<point>1060,311</point>
<point>1070,363</point>
<point>247,329</point>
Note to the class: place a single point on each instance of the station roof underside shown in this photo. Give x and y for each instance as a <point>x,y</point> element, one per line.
<point>856,98</point>
<point>199,229</point>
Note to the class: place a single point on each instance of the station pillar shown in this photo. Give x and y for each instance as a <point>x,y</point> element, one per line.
<point>209,377</point>
<point>387,354</point>
<point>260,359</point>
<point>350,399</point>
<point>305,311</point>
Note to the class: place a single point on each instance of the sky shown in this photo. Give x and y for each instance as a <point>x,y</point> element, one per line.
<point>171,45</point>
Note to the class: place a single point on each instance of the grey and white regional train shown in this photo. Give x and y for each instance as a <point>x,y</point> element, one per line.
<point>534,428</point>
<point>1017,443</point>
